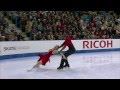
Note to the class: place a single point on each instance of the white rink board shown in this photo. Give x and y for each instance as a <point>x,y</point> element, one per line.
<point>20,47</point>
<point>0,49</point>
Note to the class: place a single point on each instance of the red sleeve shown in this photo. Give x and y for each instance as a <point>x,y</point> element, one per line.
<point>67,41</point>
<point>64,43</point>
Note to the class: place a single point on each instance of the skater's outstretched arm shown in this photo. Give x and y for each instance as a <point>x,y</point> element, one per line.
<point>60,53</point>
<point>63,48</point>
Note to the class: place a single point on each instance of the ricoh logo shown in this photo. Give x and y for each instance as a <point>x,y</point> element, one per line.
<point>97,44</point>
<point>16,48</point>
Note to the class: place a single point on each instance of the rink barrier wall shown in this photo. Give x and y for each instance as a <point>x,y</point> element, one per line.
<point>18,49</point>
<point>35,54</point>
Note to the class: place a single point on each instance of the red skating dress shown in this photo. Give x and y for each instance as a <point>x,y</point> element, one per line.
<point>45,57</point>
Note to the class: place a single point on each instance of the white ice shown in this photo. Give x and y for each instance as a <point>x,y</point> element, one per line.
<point>100,65</point>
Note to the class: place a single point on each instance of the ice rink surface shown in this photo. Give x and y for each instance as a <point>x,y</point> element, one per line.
<point>97,65</point>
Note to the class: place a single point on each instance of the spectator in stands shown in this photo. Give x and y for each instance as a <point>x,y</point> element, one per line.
<point>39,35</point>
<point>60,37</point>
<point>82,24</point>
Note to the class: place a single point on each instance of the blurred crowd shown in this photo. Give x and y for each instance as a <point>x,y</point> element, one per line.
<point>54,25</point>
<point>7,32</point>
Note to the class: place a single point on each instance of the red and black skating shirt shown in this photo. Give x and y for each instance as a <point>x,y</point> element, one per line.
<point>67,41</point>
<point>46,55</point>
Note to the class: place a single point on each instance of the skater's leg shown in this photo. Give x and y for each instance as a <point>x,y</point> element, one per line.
<point>38,64</point>
<point>64,60</point>
<point>61,64</point>
<point>66,63</point>
<point>68,53</point>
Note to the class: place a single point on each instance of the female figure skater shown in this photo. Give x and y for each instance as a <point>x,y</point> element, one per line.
<point>44,58</point>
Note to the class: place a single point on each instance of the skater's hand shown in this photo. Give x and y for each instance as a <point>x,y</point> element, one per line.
<point>55,52</point>
<point>58,52</point>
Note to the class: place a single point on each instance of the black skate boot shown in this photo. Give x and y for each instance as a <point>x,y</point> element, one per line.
<point>61,65</point>
<point>66,64</point>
